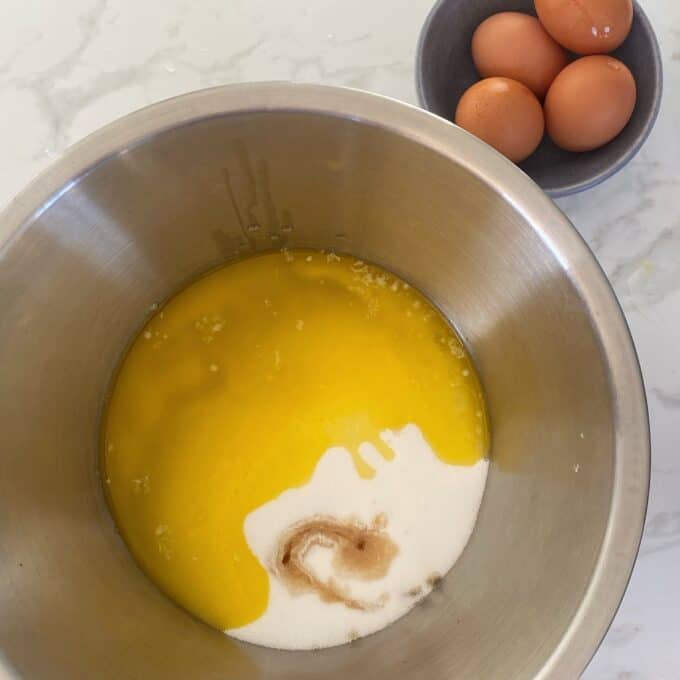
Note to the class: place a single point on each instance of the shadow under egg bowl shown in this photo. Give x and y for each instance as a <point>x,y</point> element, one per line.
<point>444,70</point>
<point>132,213</point>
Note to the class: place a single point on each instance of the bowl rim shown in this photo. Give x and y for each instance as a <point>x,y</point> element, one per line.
<point>630,487</point>
<point>568,188</point>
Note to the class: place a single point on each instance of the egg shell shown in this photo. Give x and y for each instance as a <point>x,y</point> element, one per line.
<point>589,103</point>
<point>515,45</point>
<point>587,26</point>
<point>503,113</point>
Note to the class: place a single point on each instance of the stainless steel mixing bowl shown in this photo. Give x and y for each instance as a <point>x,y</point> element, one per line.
<point>136,210</point>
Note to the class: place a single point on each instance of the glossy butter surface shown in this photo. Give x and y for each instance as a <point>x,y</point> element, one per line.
<point>237,386</point>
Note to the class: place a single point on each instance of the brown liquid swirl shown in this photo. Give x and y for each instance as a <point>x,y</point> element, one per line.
<point>359,552</point>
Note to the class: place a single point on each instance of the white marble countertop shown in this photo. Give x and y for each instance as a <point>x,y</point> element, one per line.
<point>67,68</point>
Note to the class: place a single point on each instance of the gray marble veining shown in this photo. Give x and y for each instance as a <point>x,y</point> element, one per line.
<point>67,68</point>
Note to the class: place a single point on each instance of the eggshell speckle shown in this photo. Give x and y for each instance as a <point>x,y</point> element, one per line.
<point>505,114</point>
<point>586,26</point>
<point>515,45</point>
<point>589,103</point>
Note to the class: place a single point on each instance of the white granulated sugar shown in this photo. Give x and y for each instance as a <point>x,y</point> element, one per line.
<point>431,509</point>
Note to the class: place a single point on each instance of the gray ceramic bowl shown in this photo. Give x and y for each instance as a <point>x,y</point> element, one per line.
<point>445,70</point>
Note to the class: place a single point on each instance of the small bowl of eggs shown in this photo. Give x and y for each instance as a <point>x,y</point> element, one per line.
<point>568,91</point>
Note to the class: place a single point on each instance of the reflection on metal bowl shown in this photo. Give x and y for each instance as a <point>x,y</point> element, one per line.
<point>146,204</point>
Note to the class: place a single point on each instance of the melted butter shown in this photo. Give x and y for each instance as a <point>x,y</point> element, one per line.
<point>235,389</point>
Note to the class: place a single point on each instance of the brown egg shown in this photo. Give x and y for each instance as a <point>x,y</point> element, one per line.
<point>516,46</point>
<point>505,114</point>
<point>589,103</point>
<point>586,26</point>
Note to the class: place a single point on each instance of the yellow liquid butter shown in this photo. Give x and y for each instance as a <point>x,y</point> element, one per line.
<point>236,387</point>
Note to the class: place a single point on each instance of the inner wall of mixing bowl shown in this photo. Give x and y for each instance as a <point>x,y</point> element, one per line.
<point>142,224</point>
